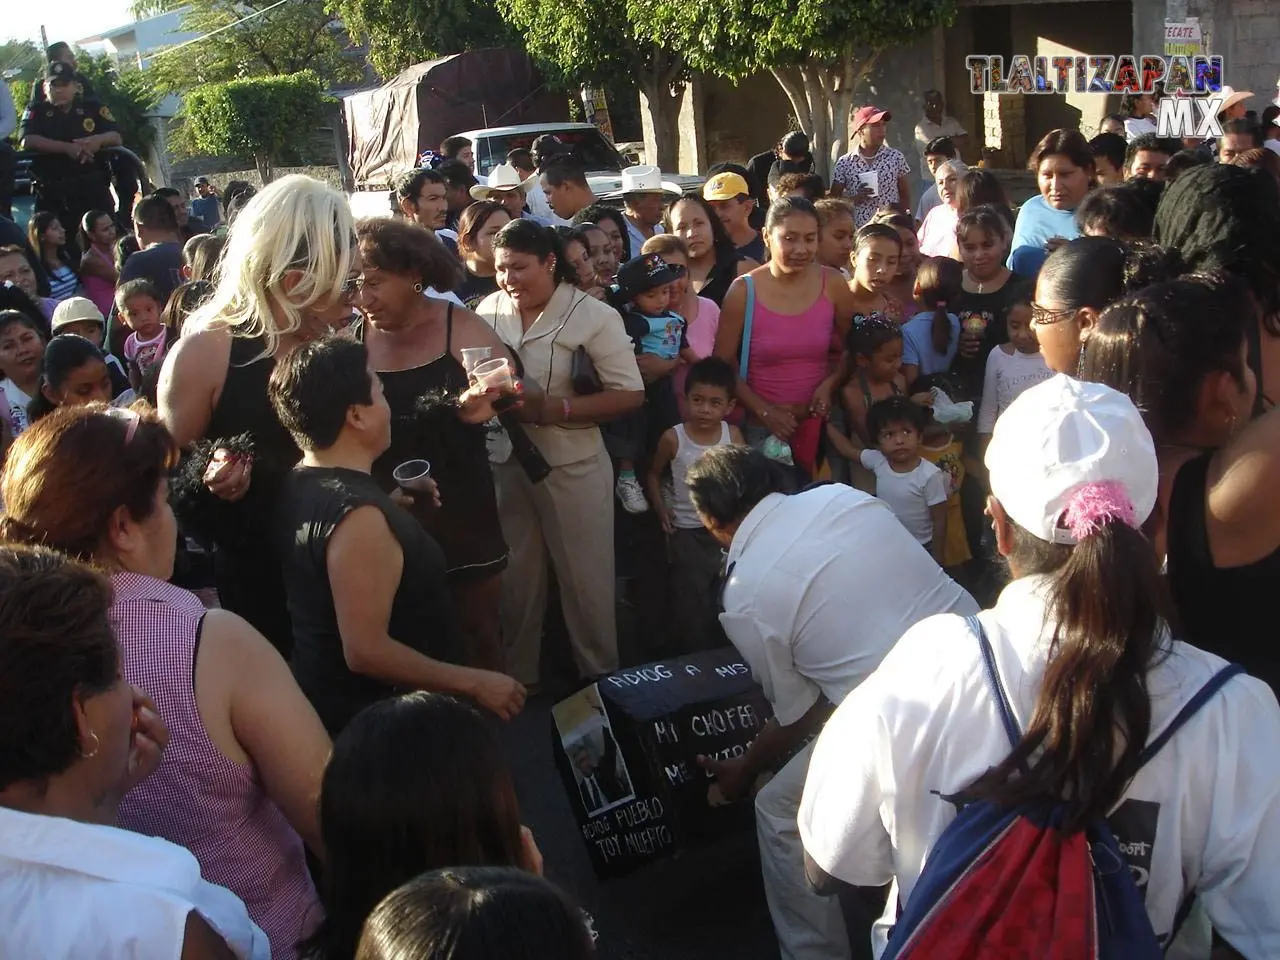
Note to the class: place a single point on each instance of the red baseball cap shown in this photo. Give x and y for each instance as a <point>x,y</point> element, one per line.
<point>865,115</point>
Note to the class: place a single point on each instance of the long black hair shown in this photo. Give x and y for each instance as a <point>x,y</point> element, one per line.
<point>1096,271</point>
<point>720,239</point>
<point>63,354</point>
<point>1221,217</point>
<point>415,783</point>
<point>1159,345</point>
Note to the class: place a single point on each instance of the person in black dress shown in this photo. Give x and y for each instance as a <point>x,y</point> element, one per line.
<point>416,345</point>
<point>367,592</point>
<point>713,261</point>
<point>289,276</point>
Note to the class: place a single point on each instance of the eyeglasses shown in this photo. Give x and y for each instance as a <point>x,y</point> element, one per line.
<point>131,419</point>
<point>351,289</point>
<point>1043,316</point>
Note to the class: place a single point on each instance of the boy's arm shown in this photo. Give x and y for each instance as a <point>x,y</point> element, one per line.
<point>662,456</point>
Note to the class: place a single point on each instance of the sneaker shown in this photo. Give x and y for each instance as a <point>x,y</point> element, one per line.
<point>632,496</point>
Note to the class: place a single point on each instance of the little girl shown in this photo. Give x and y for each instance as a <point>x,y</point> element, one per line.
<point>139,304</point>
<point>875,353</point>
<point>930,338</point>
<point>876,250</point>
<point>1011,368</point>
<point>74,374</point>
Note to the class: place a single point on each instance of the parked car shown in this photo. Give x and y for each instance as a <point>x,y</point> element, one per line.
<point>603,160</point>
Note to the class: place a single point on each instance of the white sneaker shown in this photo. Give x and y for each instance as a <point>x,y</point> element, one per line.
<point>632,496</point>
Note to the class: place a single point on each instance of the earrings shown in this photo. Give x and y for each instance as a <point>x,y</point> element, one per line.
<point>1080,361</point>
<point>94,752</point>
<point>417,288</point>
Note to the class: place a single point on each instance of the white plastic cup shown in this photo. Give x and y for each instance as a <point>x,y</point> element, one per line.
<point>413,475</point>
<point>472,357</point>
<point>871,180</point>
<point>494,375</point>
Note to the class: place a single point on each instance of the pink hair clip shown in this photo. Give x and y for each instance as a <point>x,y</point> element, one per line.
<point>131,418</point>
<point>1093,505</point>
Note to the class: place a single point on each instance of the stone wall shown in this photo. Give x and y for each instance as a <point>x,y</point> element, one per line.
<point>185,180</point>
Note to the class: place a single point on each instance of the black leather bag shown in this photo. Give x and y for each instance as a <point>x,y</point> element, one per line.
<point>583,375</point>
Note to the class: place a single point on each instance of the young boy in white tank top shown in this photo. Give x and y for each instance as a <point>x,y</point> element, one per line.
<point>695,556</point>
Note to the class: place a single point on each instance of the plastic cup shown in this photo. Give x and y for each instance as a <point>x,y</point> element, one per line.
<point>494,375</point>
<point>472,357</point>
<point>870,180</point>
<point>413,475</point>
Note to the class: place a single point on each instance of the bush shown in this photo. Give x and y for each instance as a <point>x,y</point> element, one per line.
<point>256,119</point>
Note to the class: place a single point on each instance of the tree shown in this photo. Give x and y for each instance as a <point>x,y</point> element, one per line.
<point>21,61</point>
<point>401,33</point>
<point>596,40</point>
<point>256,119</point>
<point>250,38</point>
<point>820,52</point>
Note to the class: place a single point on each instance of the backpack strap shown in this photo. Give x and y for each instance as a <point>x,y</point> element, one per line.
<point>1192,707</point>
<point>745,353</point>
<point>993,680</point>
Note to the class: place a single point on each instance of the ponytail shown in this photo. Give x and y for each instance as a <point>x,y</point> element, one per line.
<point>938,282</point>
<point>1111,607</point>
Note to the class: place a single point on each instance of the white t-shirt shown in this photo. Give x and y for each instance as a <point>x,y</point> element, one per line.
<point>16,402</point>
<point>911,496</point>
<point>74,890</point>
<point>1207,808</point>
<point>821,584</point>
<point>1007,376</point>
<point>1134,127</point>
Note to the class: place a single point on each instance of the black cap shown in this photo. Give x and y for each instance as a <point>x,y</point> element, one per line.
<point>644,273</point>
<point>59,71</point>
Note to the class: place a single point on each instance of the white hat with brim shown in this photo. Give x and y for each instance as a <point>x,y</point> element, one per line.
<point>646,179</point>
<point>1231,97</point>
<point>1064,435</point>
<point>74,310</point>
<point>502,179</point>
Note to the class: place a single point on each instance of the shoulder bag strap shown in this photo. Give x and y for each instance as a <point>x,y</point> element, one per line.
<point>993,680</point>
<point>745,353</point>
<point>1189,710</point>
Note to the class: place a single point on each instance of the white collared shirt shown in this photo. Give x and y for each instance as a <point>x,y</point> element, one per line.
<point>79,890</point>
<point>821,585</point>
<point>1206,808</point>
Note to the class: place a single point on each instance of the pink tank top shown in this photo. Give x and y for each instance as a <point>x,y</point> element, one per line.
<point>100,291</point>
<point>789,351</point>
<point>198,798</point>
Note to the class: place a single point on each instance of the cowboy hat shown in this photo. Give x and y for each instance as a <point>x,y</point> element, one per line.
<point>1231,97</point>
<point>646,179</point>
<point>502,179</point>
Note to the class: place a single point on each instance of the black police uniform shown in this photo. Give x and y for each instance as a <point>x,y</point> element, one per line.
<point>63,184</point>
<point>84,91</point>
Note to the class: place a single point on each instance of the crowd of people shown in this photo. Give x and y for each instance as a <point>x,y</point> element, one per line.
<point>983,495</point>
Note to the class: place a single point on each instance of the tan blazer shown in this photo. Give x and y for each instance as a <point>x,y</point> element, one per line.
<point>570,319</point>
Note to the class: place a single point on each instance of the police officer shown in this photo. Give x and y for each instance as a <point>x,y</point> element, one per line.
<point>60,51</point>
<point>68,135</point>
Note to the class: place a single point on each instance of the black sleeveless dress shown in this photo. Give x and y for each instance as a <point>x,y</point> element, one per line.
<point>246,564</point>
<point>1227,611</point>
<point>316,501</point>
<point>425,426</point>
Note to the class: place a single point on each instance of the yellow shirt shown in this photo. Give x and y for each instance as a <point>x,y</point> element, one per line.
<point>570,319</point>
<point>950,460</point>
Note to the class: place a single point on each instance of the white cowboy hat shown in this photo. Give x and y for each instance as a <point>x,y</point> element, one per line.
<point>1231,97</point>
<point>502,179</point>
<point>647,179</point>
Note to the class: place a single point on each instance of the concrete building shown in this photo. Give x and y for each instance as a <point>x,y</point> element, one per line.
<point>724,121</point>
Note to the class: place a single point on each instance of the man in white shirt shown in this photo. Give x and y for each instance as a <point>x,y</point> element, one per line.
<point>936,124</point>
<point>1202,817</point>
<point>819,586</point>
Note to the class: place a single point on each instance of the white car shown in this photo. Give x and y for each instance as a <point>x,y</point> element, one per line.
<point>602,159</point>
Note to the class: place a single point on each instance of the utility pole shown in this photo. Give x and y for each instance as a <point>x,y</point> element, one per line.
<point>44,38</point>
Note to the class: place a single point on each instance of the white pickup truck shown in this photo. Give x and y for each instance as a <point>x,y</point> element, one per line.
<point>491,145</point>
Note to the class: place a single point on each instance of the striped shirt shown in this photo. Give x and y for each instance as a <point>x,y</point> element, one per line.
<point>198,798</point>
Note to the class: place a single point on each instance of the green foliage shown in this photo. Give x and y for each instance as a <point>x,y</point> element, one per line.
<point>128,93</point>
<point>584,42</point>
<point>736,38</point>
<point>24,60</point>
<point>401,33</point>
<point>259,118</point>
<point>299,35</point>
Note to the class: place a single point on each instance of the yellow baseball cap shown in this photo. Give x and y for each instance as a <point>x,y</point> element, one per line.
<point>725,186</point>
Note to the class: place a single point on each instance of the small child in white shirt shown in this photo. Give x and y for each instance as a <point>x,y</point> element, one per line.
<point>912,487</point>
<point>1011,368</point>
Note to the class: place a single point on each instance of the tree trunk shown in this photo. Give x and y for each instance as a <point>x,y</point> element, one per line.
<point>265,167</point>
<point>822,97</point>
<point>661,83</point>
